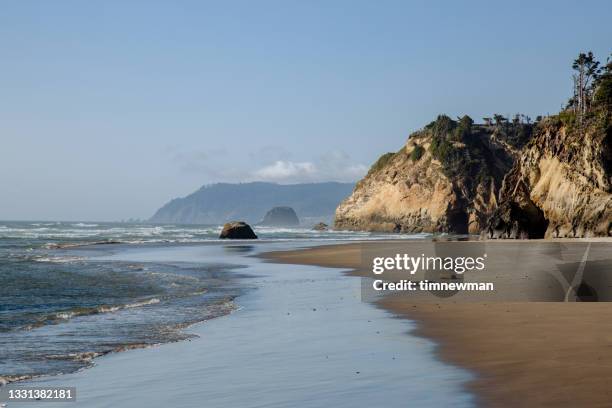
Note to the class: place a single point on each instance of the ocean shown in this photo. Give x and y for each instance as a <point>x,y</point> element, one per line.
<point>66,298</point>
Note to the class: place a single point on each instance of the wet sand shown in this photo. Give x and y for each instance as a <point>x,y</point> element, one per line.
<point>300,337</point>
<point>524,354</point>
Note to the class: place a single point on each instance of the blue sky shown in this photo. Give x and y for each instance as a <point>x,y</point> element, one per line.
<point>109,109</point>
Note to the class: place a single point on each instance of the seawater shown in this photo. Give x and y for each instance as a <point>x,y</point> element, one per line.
<point>301,336</point>
<point>65,298</point>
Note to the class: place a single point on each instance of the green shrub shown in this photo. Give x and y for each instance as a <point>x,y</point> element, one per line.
<point>567,118</point>
<point>603,95</point>
<point>417,153</point>
<point>443,126</point>
<point>464,129</point>
<point>381,162</point>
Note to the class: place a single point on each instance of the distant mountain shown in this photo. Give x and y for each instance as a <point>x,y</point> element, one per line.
<point>222,202</point>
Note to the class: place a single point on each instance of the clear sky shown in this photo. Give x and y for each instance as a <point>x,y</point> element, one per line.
<point>108,109</point>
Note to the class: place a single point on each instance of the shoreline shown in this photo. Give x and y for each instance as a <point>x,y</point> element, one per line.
<point>523,353</point>
<point>286,342</point>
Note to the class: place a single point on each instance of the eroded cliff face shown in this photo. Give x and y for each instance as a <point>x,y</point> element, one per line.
<point>448,187</point>
<point>401,196</point>
<point>509,180</point>
<point>560,186</point>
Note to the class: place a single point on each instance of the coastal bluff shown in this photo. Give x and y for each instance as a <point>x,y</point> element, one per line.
<point>445,179</point>
<point>560,187</point>
<point>503,179</point>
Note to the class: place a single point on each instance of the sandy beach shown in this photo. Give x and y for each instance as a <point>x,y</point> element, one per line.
<point>524,353</point>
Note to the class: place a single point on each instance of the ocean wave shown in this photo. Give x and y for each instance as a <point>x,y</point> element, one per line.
<point>63,316</point>
<point>86,356</point>
<point>66,245</point>
<point>168,334</point>
<point>111,309</point>
<point>68,235</point>
<point>7,379</point>
<point>57,259</point>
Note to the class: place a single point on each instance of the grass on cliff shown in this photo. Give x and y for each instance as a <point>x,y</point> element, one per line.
<point>381,162</point>
<point>417,153</point>
<point>597,123</point>
<point>463,148</point>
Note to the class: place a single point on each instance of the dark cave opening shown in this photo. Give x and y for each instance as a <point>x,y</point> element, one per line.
<point>458,221</point>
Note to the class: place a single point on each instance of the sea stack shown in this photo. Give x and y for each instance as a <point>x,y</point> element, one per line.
<point>281,217</point>
<point>237,230</point>
<point>321,227</point>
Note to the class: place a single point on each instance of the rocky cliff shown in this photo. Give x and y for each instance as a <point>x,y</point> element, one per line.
<point>561,185</point>
<point>504,180</point>
<point>445,179</point>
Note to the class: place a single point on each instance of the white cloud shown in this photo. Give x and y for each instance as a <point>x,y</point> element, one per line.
<point>334,166</point>
<point>287,170</point>
<point>267,164</point>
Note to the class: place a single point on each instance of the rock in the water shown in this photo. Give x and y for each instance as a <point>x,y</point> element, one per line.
<point>237,230</point>
<point>281,217</point>
<point>320,227</point>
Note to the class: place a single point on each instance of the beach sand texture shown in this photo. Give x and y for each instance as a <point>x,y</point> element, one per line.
<point>525,353</point>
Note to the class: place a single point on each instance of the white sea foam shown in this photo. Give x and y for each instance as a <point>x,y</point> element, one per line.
<point>143,303</point>
<point>67,315</point>
<point>65,235</point>
<point>58,259</point>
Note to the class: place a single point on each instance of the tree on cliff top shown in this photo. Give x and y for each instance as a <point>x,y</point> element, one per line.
<point>587,71</point>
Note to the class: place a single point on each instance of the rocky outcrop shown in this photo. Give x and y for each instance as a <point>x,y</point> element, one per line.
<point>445,179</point>
<point>512,179</point>
<point>280,217</point>
<point>237,230</point>
<point>321,226</point>
<point>561,186</point>
<point>508,180</point>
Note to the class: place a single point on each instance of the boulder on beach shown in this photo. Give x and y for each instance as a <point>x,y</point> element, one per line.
<point>237,230</point>
<point>321,227</point>
<point>281,217</point>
